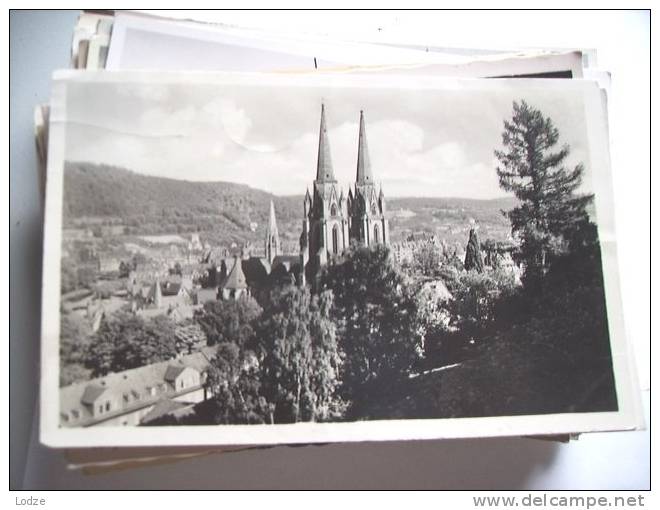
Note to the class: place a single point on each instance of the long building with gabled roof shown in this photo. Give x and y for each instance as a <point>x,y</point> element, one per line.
<point>126,398</point>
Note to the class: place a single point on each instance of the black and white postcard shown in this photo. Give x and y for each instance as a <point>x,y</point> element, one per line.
<point>260,259</point>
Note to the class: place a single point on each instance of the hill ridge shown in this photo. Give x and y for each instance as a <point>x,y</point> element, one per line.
<point>229,211</point>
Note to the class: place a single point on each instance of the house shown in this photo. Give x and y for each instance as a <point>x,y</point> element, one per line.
<point>108,264</point>
<point>182,376</point>
<point>126,398</point>
<point>169,294</point>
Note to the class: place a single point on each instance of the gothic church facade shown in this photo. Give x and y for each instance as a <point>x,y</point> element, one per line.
<point>333,220</point>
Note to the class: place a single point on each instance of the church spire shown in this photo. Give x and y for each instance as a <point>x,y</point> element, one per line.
<point>363,164</point>
<point>324,172</point>
<point>272,222</point>
<point>272,245</point>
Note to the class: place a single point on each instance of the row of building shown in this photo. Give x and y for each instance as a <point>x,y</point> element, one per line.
<point>332,220</point>
<point>137,396</point>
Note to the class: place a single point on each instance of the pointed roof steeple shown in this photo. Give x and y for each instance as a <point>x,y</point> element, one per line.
<point>324,172</point>
<point>236,278</point>
<point>156,293</point>
<point>363,164</point>
<point>272,222</point>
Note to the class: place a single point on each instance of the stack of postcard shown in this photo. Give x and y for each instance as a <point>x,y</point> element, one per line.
<point>255,239</point>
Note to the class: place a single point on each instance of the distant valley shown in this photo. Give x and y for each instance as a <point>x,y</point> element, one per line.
<point>225,212</point>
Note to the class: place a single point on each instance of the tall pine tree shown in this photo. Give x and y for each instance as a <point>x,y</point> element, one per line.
<point>532,166</point>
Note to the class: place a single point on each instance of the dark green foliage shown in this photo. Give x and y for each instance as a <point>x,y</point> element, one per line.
<point>473,258</point>
<point>176,270</point>
<point>494,251</point>
<point>278,366</point>
<point>301,359</point>
<point>556,359</point>
<point>190,336</point>
<point>76,276</point>
<point>470,316</point>
<point>543,353</point>
<point>126,341</point>
<point>69,276</point>
<point>375,313</point>
<point>234,381</point>
<point>532,168</point>
<point>124,269</point>
<point>229,321</point>
<point>157,205</point>
<point>427,260</point>
<point>74,337</point>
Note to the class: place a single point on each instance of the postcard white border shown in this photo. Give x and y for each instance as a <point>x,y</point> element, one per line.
<point>628,417</point>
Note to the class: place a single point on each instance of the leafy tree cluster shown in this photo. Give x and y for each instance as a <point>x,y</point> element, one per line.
<point>74,338</point>
<point>312,356</point>
<point>126,341</point>
<point>229,321</point>
<point>375,313</point>
<point>494,251</point>
<point>554,350</point>
<point>470,316</point>
<point>235,383</point>
<point>300,353</point>
<point>427,259</point>
<point>276,365</point>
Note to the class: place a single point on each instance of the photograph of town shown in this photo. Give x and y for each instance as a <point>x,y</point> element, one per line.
<point>273,255</point>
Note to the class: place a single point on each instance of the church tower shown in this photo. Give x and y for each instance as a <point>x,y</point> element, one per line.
<point>272,242</point>
<point>366,207</point>
<point>325,225</point>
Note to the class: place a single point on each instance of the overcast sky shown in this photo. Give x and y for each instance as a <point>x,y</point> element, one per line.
<point>421,143</point>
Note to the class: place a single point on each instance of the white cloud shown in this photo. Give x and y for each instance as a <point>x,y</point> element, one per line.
<point>241,137</point>
<point>398,157</point>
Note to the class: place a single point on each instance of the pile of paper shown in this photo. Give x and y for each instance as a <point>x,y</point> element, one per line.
<point>127,41</point>
<point>133,41</point>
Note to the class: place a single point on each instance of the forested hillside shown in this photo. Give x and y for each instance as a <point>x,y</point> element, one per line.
<point>154,205</point>
<point>226,210</point>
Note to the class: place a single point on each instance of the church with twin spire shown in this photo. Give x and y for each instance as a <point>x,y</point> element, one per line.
<point>333,220</point>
